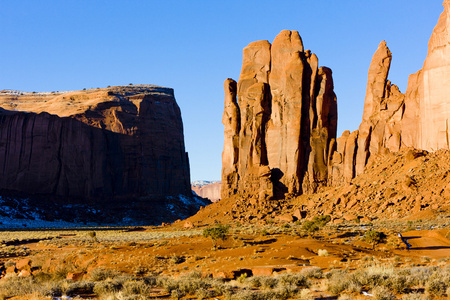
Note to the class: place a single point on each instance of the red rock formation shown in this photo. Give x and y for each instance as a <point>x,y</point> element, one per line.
<point>210,191</point>
<point>115,142</point>
<point>427,112</point>
<point>279,129</point>
<point>391,121</point>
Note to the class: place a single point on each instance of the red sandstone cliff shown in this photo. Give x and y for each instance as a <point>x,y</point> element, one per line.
<point>101,143</point>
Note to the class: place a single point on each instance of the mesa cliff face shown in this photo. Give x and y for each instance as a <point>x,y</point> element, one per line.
<point>97,144</point>
<point>392,120</point>
<point>280,119</point>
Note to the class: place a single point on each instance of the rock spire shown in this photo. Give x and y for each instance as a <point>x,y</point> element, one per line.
<point>419,119</point>
<point>280,119</point>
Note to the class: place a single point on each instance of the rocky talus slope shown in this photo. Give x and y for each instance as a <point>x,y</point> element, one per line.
<point>406,185</point>
<point>117,146</point>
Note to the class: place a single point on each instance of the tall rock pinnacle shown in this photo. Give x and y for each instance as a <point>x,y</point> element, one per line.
<point>279,129</point>
<point>420,118</point>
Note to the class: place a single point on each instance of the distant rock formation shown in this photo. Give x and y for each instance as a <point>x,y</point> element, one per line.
<point>280,119</point>
<point>210,190</point>
<point>112,143</point>
<point>392,120</point>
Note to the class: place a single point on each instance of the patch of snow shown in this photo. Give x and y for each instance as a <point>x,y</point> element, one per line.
<point>203,182</point>
<point>21,93</point>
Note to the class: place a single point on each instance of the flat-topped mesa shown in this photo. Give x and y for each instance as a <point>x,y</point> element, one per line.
<point>108,143</point>
<point>420,118</point>
<point>279,119</point>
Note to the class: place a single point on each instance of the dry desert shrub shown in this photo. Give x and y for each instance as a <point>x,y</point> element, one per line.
<point>322,252</point>
<point>253,295</point>
<point>435,287</point>
<point>312,272</point>
<point>203,293</point>
<point>135,287</point>
<point>268,282</point>
<point>285,291</point>
<point>102,288</point>
<point>297,280</point>
<point>80,287</point>
<point>101,274</point>
<point>382,293</point>
<point>17,286</point>
<point>419,275</point>
<point>415,296</point>
<point>337,281</point>
<point>305,294</point>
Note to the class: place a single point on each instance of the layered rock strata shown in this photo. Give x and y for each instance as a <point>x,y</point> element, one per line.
<point>392,120</point>
<point>97,144</point>
<point>280,119</point>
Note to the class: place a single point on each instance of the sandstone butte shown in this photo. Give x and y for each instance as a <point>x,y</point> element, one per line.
<point>280,120</point>
<point>105,144</point>
<point>280,117</point>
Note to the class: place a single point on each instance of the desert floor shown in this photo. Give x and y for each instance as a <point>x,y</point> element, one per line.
<point>249,251</point>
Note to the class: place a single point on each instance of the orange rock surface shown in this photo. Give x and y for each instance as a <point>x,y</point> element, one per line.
<point>279,118</point>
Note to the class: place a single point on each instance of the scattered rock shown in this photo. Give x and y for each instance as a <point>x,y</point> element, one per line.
<point>285,218</point>
<point>10,270</point>
<point>350,217</point>
<point>24,273</point>
<point>75,276</point>
<point>23,263</point>
<point>188,225</point>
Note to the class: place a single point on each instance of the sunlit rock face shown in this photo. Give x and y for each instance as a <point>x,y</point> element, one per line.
<point>392,120</point>
<point>280,119</point>
<point>427,110</point>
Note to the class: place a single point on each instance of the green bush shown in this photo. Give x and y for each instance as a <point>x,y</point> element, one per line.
<point>218,232</point>
<point>374,237</point>
<point>310,227</point>
<point>321,221</point>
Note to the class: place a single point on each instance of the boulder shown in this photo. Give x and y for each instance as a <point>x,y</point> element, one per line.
<point>23,263</point>
<point>75,276</point>
<point>188,225</point>
<point>24,273</point>
<point>350,217</point>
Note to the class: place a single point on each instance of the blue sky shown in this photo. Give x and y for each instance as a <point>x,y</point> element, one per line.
<point>193,46</point>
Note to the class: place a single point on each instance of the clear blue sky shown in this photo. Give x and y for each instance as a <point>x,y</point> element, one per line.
<point>193,46</point>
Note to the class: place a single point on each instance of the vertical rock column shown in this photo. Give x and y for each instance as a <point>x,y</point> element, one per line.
<point>231,120</point>
<point>287,118</point>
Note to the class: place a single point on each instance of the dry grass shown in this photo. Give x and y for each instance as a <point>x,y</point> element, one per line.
<point>420,278</point>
